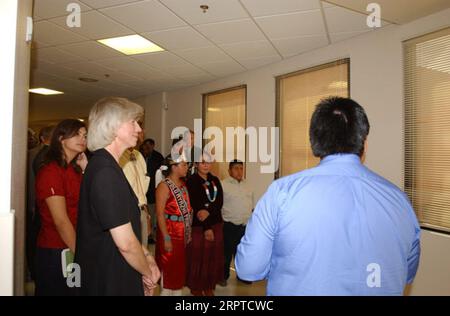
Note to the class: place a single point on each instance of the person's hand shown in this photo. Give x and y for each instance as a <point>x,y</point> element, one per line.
<point>202,215</point>
<point>148,286</point>
<point>168,245</point>
<point>151,280</point>
<point>209,235</point>
<point>82,161</point>
<point>156,274</point>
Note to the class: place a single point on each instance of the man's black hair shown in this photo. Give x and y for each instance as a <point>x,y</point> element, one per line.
<point>149,140</point>
<point>235,162</point>
<point>338,125</point>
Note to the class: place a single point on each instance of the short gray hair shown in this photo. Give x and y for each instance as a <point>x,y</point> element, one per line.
<point>105,118</point>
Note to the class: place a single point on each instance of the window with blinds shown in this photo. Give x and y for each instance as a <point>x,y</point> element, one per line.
<point>226,108</point>
<point>427,128</point>
<point>297,95</point>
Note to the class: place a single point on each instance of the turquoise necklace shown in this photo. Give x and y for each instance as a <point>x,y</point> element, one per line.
<point>208,195</point>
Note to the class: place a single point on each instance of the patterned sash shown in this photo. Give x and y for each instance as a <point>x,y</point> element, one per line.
<point>183,207</point>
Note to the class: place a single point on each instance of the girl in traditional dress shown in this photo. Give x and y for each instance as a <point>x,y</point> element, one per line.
<point>174,217</point>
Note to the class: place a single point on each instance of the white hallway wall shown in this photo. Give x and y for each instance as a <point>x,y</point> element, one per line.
<point>376,74</point>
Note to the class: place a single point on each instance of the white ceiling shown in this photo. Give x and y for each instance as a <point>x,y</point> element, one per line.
<point>231,37</point>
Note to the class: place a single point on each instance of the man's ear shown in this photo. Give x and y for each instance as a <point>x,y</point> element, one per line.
<point>363,156</point>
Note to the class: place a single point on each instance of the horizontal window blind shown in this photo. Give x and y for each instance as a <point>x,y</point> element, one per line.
<point>427,128</point>
<point>298,94</point>
<point>226,108</point>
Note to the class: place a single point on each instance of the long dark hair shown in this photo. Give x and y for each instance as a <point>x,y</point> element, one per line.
<point>64,130</point>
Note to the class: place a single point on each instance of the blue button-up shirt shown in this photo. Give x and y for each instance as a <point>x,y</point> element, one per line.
<point>335,229</point>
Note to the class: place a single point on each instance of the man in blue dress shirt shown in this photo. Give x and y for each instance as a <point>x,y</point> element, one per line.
<point>337,228</point>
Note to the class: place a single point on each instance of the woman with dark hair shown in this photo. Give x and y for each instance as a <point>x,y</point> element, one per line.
<point>174,217</point>
<point>57,190</point>
<point>206,258</point>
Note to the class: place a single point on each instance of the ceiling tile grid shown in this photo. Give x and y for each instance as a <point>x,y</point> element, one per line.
<point>95,25</point>
<point>230,37</point>
<point>144,16</point>
<point>230,32</point>
<point>219,10</point>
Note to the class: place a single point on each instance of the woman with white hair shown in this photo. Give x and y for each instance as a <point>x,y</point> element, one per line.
<point>112,261</point>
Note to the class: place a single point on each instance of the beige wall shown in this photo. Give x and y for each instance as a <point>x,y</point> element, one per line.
<point>376,72</point>
<point>153,105</point>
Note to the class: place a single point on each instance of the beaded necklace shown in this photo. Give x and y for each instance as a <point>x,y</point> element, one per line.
<point>205,185</point>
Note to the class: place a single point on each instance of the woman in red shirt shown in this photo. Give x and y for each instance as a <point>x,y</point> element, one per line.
<point>174,216</point>
<point>57,190</point>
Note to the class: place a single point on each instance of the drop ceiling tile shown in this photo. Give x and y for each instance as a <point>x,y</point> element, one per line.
<point>141,84</point>
<point>47,9</point>
<point>259,62</point>
<point>91,68</point>
<point>183,71</point>
<point>108,84</point>
<point>95,25</point>
<point>144,16</point>
<point>121,77</point>
<point>171,81</point>
<point>55,56</point>
<point>99,4</point>
<point>39,79</point>
<point>249,50</point>
<point>179,38</point>
<point>231,31</point>
<point>222,69</point>
<point>204,55</point>
<point>132,67</point>
<point>48,33</point>
<point>195,79</point>
<point>343,20</point>
<point>327,5</point>
<point>37,45</point>
<point>90,50</point>
<point>293,46</point>
<point>337,37</point>
<point>271,7</point>
<point>161,60</point>
<point>293,24</point>
<point>219,10</point>
<point>57,70</point>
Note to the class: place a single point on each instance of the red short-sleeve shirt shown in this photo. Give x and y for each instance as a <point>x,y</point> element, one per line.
<point>54,180</point>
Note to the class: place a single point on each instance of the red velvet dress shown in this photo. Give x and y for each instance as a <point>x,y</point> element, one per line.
<point>173,264</point>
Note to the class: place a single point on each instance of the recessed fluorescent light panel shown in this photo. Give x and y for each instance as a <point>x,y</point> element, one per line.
<point>131,45</point>
<point>45,91</point>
